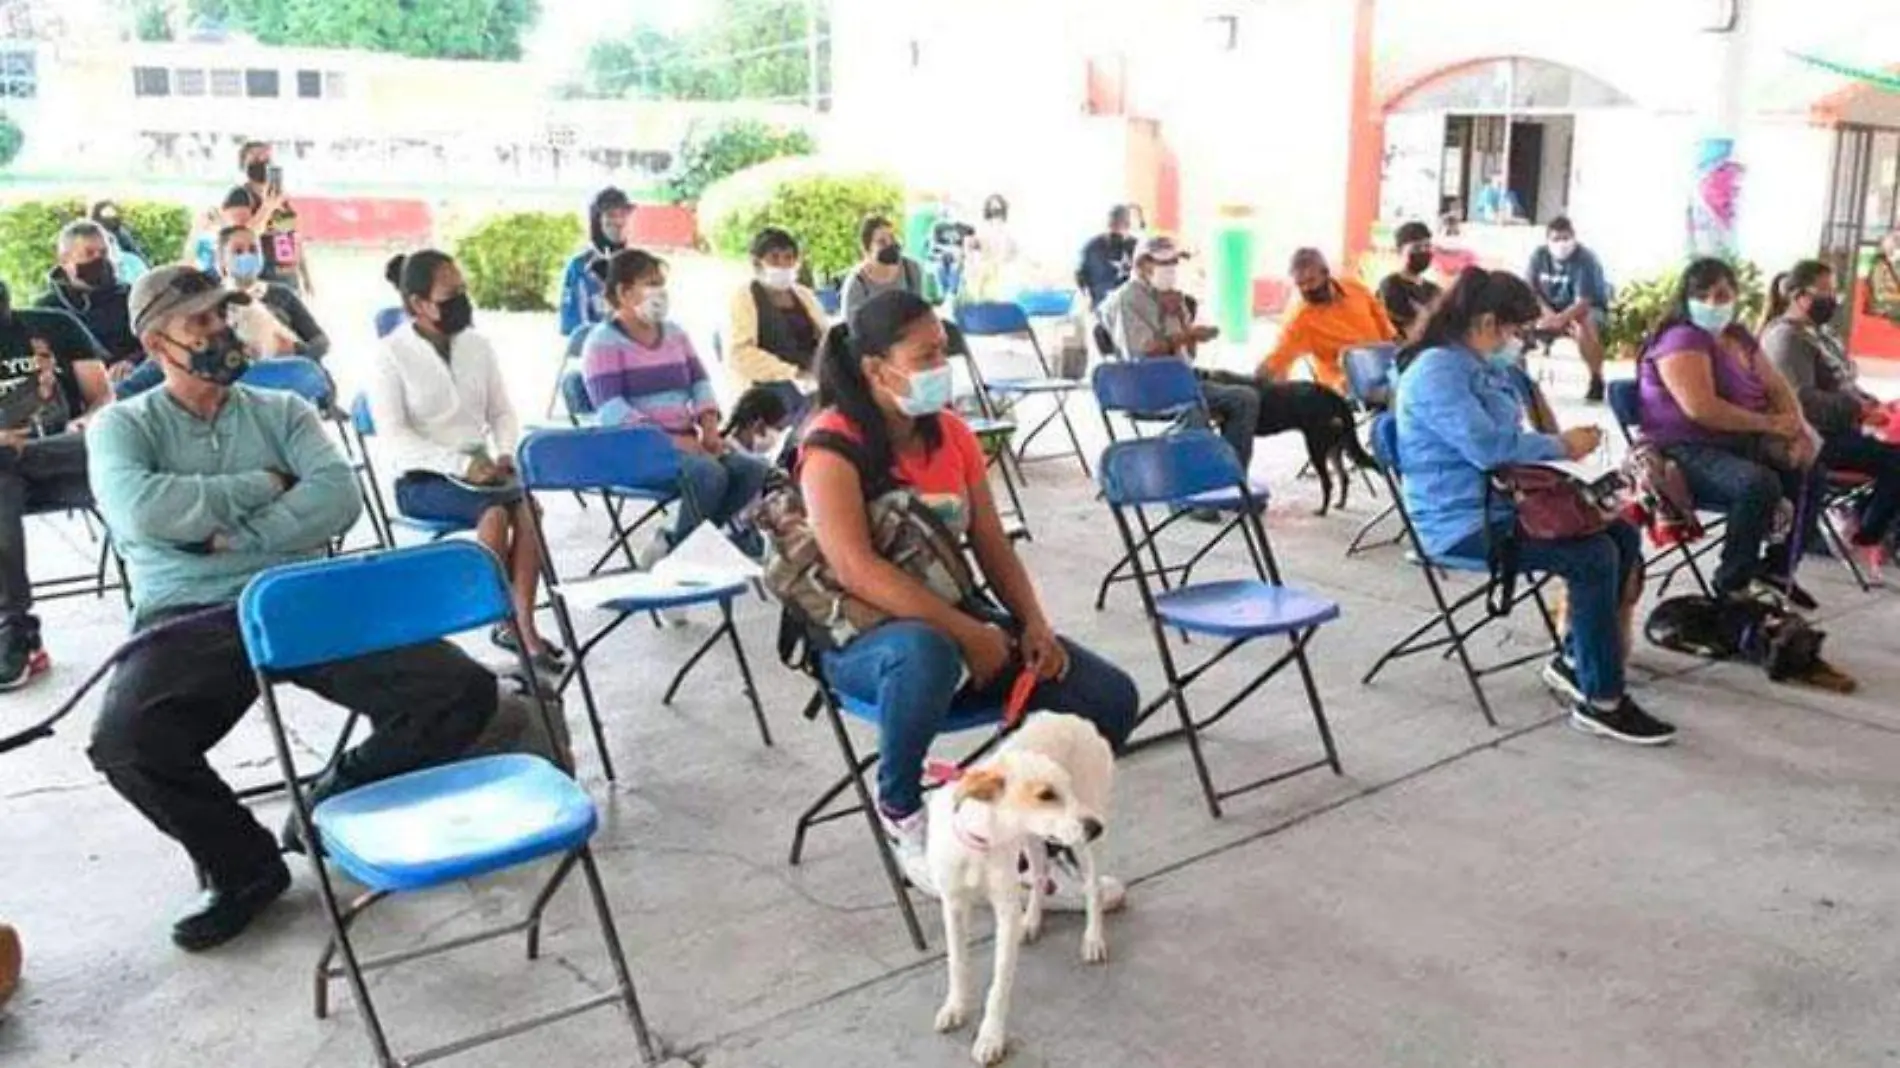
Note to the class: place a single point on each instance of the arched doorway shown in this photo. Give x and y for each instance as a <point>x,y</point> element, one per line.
<point>1489,140</point>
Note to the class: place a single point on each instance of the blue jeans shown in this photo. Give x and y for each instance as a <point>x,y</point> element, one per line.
<point>911,672</point>
<point>1748,491</point>
<point>1596,569</point>
<point>716,488</point>
<point>427,495</point>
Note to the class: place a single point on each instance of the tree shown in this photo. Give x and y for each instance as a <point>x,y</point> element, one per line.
<point>433,29</point>
<point>743,50</point>
<point>150,21</point>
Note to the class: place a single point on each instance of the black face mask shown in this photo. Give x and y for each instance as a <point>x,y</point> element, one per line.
<point>458,314</point>
<point>258,172</point>
<point>889,255</point>
<point>1320,294</point>
<point>220,360</point>
<point>1418,262</point>
<point>110,222</point>
<point>1821,310</point>
<point>96,274</point>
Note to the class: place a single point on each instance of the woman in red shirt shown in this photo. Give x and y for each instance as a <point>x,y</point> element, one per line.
<point>886,383</point>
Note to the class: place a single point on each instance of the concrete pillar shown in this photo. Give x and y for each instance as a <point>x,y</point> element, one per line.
<point>1715,195</point>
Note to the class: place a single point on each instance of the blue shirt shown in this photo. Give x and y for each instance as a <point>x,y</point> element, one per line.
<point>583,296</point>
<point>1561,283</point>
<point>1459,418</point>
<point>166,481</point>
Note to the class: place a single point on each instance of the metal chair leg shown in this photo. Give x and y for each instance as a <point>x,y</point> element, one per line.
<point>891,872</point>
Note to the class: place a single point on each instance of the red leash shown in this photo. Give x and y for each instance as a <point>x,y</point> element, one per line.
<point>1015,706</point>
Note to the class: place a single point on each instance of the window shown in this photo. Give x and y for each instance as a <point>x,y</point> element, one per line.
<point>19,75</point>
<point>333,84</point>
<point>227,83</point>
<point>260,82</point>
<point>309,84</point>
<point>151,81</point>
<point>188,81</point>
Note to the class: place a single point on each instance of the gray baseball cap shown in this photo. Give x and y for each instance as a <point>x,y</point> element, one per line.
<point>171,292</point>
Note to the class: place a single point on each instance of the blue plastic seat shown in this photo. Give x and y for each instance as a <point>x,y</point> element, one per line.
<point>1006,319</point>
<point>580,407</point>
<point>1242,608</point>
<point>293,374</point>
<point>1046,303</point>
<point>1369,372</point>
<point>455,821</point>
<point>831,300</point>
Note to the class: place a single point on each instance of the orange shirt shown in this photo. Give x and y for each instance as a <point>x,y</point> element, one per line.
<point>1353,317</point>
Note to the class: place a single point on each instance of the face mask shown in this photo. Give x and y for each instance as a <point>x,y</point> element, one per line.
<point>1166,278</point>
<point>1714,318</point>
<point>1821,310</point>
<point>257,172</point>
<point>1320,294</point>
<point>930,392</point>
<point>1509,354</point>
<point>653,306</point>
<point>221,360</point>
<point>246,266</point>
<point>1418,261</point>
<point>889,255</point>
<point>1562,250</point>
<point>109,221</point>
<point>778,277</point>
<point>95,274</point>
<point>458,314</point>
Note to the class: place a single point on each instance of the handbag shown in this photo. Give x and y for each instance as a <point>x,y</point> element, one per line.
<point>1550,505</point>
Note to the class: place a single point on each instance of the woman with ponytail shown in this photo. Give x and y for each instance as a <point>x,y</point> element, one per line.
<point>1460,419</point>
<point>1798,341</point>
<point>885,387</point>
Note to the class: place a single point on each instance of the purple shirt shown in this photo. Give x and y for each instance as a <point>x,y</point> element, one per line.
<point>1732,366</point>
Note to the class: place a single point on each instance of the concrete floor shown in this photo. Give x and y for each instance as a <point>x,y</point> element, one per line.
<point>1462,896</point>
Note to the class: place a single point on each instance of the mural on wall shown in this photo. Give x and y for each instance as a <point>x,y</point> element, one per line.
<point>1715,198</point>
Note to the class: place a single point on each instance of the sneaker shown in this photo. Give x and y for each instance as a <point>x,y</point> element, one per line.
<point>1627,722</point>
<point>1064,892</point>
<point>909,840</point>
<point>1594,393</point>
<point>22,660</point>
<point>1873,563</point>
<point>224,912</point>
<point>654,552</point>
<point>1562,680</point>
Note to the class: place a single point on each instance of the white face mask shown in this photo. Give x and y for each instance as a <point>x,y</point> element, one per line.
<point>654,305</point>
<point>1166,278</point>
<point>778,277</point>
<point>1563,249</point>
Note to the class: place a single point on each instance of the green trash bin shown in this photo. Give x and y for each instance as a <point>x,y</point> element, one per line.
<point>1232,273</point>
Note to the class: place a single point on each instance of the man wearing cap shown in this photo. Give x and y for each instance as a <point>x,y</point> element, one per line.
<point>1149,317</point>
<point>1334,314</point>
<point>205,482</point>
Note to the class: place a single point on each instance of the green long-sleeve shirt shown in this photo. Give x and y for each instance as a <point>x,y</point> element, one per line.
<point>166,481</point>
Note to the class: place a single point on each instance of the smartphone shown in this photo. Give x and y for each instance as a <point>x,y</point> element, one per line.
<point>274,178</point>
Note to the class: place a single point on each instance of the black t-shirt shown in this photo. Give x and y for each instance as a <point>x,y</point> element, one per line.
<point>277,240</point>
<point>1406,300</point>
<point>32,341</point>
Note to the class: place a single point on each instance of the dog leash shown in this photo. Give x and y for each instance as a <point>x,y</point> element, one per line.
<point>939,772</point>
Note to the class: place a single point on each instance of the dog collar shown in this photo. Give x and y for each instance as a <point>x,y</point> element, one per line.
<point>969,839</point>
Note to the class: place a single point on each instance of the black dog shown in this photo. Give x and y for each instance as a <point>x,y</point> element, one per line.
<point>1321,416</point>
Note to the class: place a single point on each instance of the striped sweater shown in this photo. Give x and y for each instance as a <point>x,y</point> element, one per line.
<point>630,384</point>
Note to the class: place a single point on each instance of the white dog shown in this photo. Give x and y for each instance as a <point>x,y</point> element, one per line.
<point>1049,784</point>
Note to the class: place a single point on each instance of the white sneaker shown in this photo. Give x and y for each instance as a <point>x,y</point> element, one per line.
<point>653,552</point>
<point>1064,893</point>
<point>909,840</point>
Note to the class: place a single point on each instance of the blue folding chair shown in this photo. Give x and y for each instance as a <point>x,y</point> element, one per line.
<point>657,498</point>
<point>1163,390</point>
<point>1006,321</point>
<point>1626,406</point>
<point>993,432</point>
<point>620,461</point>
<point>1183,465</point>
<point>438,825</point>
<point>1457,637</point>
<point>831,300</point>
<point>432,529</point>
<point>570,355</point>
<point>1046,303</point>
<point>1371,375</point>
<point>307,379</point>
<point>389,320</point>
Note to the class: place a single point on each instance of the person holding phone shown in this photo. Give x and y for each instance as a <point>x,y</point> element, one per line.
<point>272,217</point>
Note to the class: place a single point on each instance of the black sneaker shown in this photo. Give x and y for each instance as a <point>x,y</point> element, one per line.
<point>22,658</point>
<point>1594,393</point>
<point>223,913</point>
<point>1627,722</point>
<point>1562,680</point>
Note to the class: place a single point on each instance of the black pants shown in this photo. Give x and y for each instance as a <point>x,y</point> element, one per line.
<point>171,701</point>
<point>46,474</point>
<point>1857,452</point>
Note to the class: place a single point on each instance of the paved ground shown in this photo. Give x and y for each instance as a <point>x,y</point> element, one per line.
<point>1462,896</point>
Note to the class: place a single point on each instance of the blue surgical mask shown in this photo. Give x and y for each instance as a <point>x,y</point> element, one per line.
<point>246,265</point>
<point>1509,354</point>
<point>930,392</point>
<point>1714,318</point>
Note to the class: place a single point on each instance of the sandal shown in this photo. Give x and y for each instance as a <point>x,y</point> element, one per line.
<point>550,659</point>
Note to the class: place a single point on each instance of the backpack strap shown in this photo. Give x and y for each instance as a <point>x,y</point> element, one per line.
<point>1500,557</point>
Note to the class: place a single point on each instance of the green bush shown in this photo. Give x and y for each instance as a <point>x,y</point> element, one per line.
<point>29,234</point>
<point>513,261</point>
<point>1640,305</point>
<point>821,209</point>
<point>716,152</point>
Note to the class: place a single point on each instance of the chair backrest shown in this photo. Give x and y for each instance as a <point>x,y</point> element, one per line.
<point>1626,404</point>
<point>1157,384</point>
<point>293,374</point>
<point>360,417</point>
<point>313,613</point>
<point>831,300</point>
<point>1046,303</point>
<point>992,319</point>
<point>1369,370</point>
<point>577,340</point>
<point>389,320</point>
<point>1168,468</point>
<point>574,394</point>
<point>1385,442</point>
<point>599,458</point>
